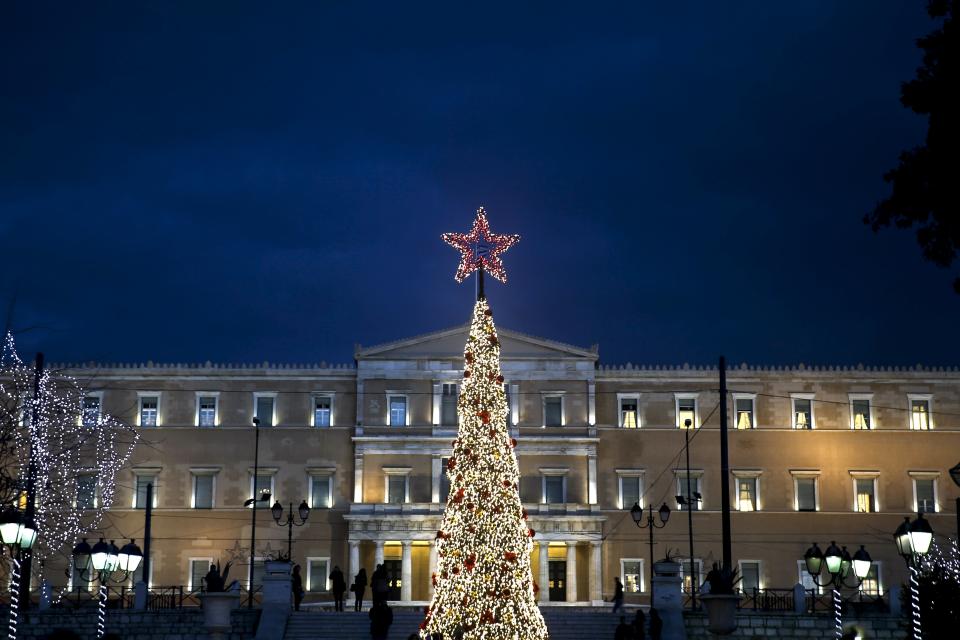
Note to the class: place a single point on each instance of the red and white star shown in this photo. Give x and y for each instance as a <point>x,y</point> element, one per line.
<point>480,249</point>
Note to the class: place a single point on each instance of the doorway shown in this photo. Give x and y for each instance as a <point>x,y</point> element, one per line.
<point>557,572</point>
<point>393,569</point>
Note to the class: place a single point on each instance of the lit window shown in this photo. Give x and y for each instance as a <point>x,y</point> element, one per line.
<point>749,576</point>
<point>206,411</point>
<point>262,485</point>
<point>871,584</point>
<point>203,491</point>
<point>322,411</point>
<point>686,410</point>
<point>448,405</point>
<point>684,488</point>
<point>140,496</point>
<point>321,491</point>
<point>86,492</point>
<point>264,408</point>
<point>318,575</point>
<point>553,411</point>
<point>91,411</point>
<point>631,574</point>
<point>860,412</point>
<point>925,491</point>
<point>802,412</point>
<point>806,493</point>
<point>747,494</point>
<point>149,410</point>
<point>745,414</point>
<point>691,582</point>
<point>865,492</point>
<point>919,413</point>
<point>398,410</point>
<point>629,413</point>
<point>631,489</point>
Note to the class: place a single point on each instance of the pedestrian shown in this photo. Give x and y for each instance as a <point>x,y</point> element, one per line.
<point>639,620</point>
<point>624,631</point>
<point>381,617</point>
<point>656,625</point>
<point>617,594</point>
<point>339,585</point>
<point>296,585</point>
<point>379,584</point>
<point>359,586</point>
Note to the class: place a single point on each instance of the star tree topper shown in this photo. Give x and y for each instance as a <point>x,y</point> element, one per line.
<point>480,249</point>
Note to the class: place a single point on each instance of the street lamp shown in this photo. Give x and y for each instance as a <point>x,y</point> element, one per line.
<point>100,563</point>
<point>913,541</point>
<point>636,512</point>
<point>838,563</point>
<point>18,533</point>
<point>277,512</point>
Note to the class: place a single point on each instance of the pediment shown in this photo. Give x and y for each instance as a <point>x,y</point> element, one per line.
<point>448,344</point>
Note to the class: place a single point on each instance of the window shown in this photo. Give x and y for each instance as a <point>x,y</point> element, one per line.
<point>140,495</point>
<point>629,411</point>
<point>77,580</point>
<point>805,492</point>
<point>87,492</point>
<point>198,571</point>
<point>920,414</point>
<point>925,494</point>
<point>26,409</point>
<point>871,585</point>
<point>318,575</point>
<point>321,491</point>
<point>860,414</point>
<point>696,498</point>
<point>91,410</point>
<point>265,409</point>
<point>865,494</point>
<point>749,576</point>
<point>805,578</point>
<point>691,581</point>
<point>397,410</point>
<point>747,493</point>
<point>554,486</point>
<point>263,484</point>
<point>149,410</point>
<point>553,410</point>
<point>743,406</point>
<point>444,480</point>
<point>206,410</point>
<point>322,411</point>
<point>396,489</point>
<point>203,488</point>
<point>631,488</point>
<point>802,410</point>
<point>448,405</point>
<point>631,574</point>
<point>686,410</point>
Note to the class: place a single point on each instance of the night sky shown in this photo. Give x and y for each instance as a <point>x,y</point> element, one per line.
<point>269,181</point>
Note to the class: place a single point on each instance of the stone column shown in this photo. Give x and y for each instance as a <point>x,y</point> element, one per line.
<point>596,573</point>
<point>354,560</point>
<point>358,478</point>
<point>668,599</point>
<point>544,574</point>
<point>433,564</point>
<point>378,554</point>
<point>406,571</point>
<point>436,470</point>
<point>571,572</point>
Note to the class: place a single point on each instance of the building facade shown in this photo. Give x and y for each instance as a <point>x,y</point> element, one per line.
<point>816,454</point>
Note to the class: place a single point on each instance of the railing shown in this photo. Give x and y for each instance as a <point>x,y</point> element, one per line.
<point>767,600</point>
<point>124,597</point>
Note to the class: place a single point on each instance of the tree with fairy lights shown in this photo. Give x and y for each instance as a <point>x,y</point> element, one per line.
<point>484,587</point>
<point>73,453</point>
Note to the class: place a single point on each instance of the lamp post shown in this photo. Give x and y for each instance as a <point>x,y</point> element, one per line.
<point>100,563</point>
<point>913,542</point>
<point>252,502</point>
<point>636,512</point>
<point>694,499</point>
<point>955,476</point>
<point>277,511</point>
<point>18,534</point>
<point>837,562</point>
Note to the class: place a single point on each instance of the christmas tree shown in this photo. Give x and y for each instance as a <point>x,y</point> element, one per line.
<point>484,587</point>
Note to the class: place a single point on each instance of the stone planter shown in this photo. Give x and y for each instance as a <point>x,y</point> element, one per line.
<point>216,610</point>
<point>721,612</point>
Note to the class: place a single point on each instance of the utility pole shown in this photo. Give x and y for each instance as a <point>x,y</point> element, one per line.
<point>724,469</point>
<point>694,583</point>
<point>26,565</point>
<point>147,518</point>
<point>253,516</point>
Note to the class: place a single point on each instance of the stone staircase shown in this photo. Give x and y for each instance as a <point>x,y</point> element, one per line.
<point>564,623</point>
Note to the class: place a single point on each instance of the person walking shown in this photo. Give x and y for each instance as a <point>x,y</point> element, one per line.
<point>359,586</point>
<point>617,594</point>
<point>339,585</point>
<point>381,617</point>
<point>379,584</point>
<point>656,625</point>
<point>296,586</point>
<point>639,620</point>
<point>624,631</point>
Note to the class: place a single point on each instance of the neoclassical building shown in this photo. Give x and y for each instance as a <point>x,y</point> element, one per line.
<point>816,454</point>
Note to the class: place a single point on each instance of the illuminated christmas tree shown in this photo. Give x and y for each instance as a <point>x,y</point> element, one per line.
<point>484,587</point>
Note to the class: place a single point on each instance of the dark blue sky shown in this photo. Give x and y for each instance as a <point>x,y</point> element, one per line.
<point>253,181</point>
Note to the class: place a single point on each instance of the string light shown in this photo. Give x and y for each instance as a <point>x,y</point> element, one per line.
<point>14,598</point>
<point>480,249</point>
<point>65,444</point>
<point>484,587</point>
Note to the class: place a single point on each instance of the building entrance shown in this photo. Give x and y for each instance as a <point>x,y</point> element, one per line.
<point>557,571</point>
<point>393,569</point>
